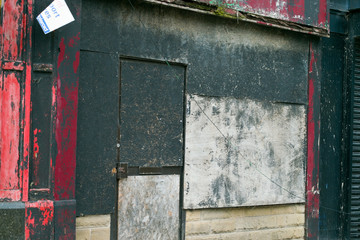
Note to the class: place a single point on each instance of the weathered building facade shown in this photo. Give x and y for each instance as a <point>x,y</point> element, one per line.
<point>179,120</point>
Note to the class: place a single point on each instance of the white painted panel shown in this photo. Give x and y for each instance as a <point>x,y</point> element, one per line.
<point>149,207</point>
<point>240,152</point>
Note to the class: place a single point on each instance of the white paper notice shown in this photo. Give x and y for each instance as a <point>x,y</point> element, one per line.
<point>56,15</point>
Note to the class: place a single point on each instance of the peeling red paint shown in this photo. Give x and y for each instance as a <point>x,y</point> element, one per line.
<point>26,126</point>
<point>38,218</point>
<point>36,157</point>
<point>285,10</point>
<point>74,41</point>
<point>297,10</point>
<point>61,56</point>
<point>66,123</point>
<point>66,223</point>
<point>18,66</point>
<point>12,20</point>
<point>323,13</point>
<point>76,61</point>
<point>312,193</point>
<point>312,174</point>
<point>10,130</point>
<point>66,139</point>
<point>10,195</point>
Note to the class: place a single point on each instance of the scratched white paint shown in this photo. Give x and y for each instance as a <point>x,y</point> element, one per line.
<point>149,207</point>
<point>240,152</point>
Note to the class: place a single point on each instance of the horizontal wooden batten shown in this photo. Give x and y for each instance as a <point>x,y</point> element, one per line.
<point>10,195</point>
<point>13,65</point>
<point>43,67</point>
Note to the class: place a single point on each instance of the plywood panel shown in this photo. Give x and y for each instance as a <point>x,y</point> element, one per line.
<point>240,152</point>
<point>149,207</point>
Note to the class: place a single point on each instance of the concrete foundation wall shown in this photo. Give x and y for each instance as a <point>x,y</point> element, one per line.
<point>262,222</point>
<point>95,227</point>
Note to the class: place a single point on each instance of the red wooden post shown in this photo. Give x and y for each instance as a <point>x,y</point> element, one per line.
<point>14,97</point>
<point>312,173</point>
<point>52,216</point>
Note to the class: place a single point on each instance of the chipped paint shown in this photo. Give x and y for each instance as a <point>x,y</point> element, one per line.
<point>66,118</point>
<point>39,217</point>
<point>243,150</point>
<point>65,215</point>
<point>10,130</point>
<point>12,19</point>
<point>76,62</point>
<point>285,14</point>
<point>323,14</point>
<point>14,100</point>
<point>313,133</point>
<point>26,103</point>
<point>66,138</point>
<point>36,157</point>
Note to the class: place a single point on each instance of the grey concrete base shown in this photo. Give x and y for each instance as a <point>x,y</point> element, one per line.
<point>12,220</point>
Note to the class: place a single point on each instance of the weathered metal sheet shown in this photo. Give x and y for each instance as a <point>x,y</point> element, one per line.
<point>149,207</point>
<point>151,114</point>
<point>241,152</point>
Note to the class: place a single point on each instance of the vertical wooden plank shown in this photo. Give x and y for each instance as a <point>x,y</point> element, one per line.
<point>68,60</point>
<point>15,105</point>
<point>63,148</point>
<point>312,176</point>
<point>10,129</point>
<point>12,30</point>
<point>26,104</point>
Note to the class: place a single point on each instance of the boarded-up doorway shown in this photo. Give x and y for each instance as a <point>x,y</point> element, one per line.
<point>150,149</point>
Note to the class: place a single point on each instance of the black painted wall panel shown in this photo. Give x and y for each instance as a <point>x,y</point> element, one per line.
<point>331,136</point>
<point>151,114</point>
<point>225,58</point>
<point>97,133</point>
<point>222,58</point>
<point>41,90</point>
